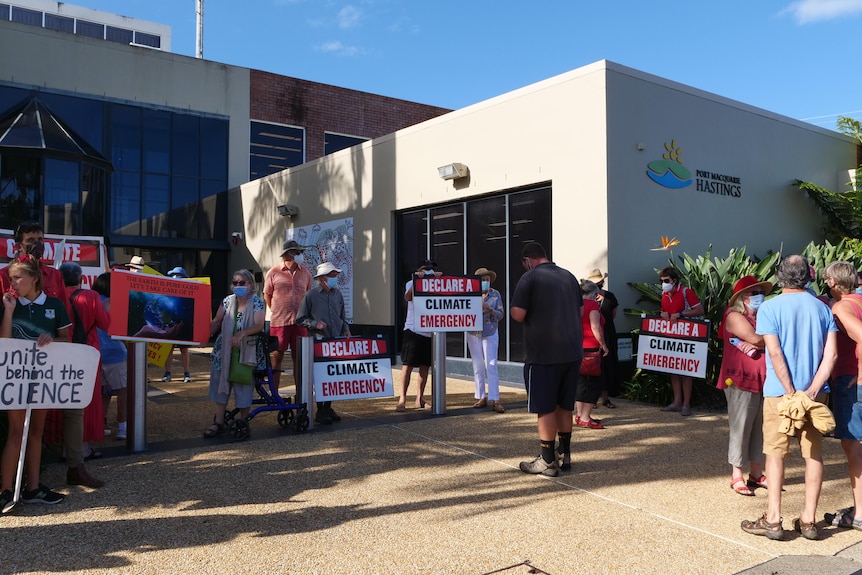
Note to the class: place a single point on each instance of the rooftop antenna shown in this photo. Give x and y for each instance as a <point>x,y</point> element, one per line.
<point>199,28</point>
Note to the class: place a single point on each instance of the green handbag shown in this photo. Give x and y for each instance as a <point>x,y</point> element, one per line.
<point>239,372</point>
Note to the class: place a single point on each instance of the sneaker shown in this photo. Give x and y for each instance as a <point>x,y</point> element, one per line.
<point>7,501</point>
<point>121,434</point>
<point>539,465</point>
<point>322,417</point>
<point>761,526</point>
<point>187,378</point>
<point>107,431</point>
<point>564,460</point>
<point>166,376</point>
<point>43,495</point>
<point>685,411</point>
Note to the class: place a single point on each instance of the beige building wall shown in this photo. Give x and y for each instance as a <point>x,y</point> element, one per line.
<point>212,88</point>
<point>552,131</point>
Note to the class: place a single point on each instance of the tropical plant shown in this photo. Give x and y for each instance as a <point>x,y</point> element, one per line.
<point>821,255</point>
<point>712,279</point>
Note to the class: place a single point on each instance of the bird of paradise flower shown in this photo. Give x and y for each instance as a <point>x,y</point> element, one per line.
<point>666,244</point>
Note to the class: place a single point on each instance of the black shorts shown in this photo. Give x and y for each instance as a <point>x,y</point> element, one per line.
<point>415,349</point>
<point>589,388</point>
<point>551,386</point>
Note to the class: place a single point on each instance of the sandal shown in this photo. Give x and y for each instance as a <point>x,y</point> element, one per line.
<point>400,408</point>
<point>754,483</point>
<point>607,403</point>
<point>761,526</point>
<point>808,530</point>
<point>844,520</point>
<point>738,484</point>
<point>215,429</point>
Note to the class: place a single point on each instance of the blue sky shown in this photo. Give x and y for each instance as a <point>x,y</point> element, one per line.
<point>797,58</point>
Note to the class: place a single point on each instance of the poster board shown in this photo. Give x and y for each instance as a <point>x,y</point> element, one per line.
<point>447,303</point>
<point>352,368</point>
<point>673,346</point>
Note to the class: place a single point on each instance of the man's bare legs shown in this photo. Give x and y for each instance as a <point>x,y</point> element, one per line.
<point>813,484</point>
<point>550,423</point>
<point>775,473</point>
<point>277,360</point>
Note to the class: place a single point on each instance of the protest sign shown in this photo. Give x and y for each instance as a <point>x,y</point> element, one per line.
<point>59,375</point>
<point>447,303</point>
<point>352,368</point>
<point>673,346</point>
<point>157,308</point>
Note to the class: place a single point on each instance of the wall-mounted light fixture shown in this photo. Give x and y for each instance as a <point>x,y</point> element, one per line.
<point>288,210</point>
<point>453,171</point>
<point>235,237</point>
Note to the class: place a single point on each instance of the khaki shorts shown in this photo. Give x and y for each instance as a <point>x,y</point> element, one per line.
<point>777,444</point>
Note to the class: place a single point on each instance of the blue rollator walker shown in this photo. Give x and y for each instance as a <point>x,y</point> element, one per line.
<point>289,414</point>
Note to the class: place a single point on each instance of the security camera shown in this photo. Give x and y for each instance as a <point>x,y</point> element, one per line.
<point>236,235</point>
<point>288,210</point>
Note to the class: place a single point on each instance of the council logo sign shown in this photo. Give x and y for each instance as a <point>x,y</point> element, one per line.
<point>669,171</point>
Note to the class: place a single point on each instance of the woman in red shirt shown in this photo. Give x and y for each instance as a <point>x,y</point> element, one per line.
<point>590,387</point>
<point>678,302</point>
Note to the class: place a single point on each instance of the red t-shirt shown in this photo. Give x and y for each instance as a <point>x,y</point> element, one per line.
<point>590,341</point>
<point>672,301</point>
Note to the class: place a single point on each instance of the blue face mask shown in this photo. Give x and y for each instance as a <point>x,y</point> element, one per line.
<point>486,286</point>
<point>240,291</point>
<point>332,283</point>
<point>859,290</point>
<point>755,301</point>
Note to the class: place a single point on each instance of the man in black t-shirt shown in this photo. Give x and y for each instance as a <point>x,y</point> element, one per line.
<point>547,300</point>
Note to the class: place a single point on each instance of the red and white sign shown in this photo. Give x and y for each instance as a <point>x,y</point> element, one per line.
<point>673,346</point>
<point>86,251</point>
<point>447,303</point>
<point>352,368</point>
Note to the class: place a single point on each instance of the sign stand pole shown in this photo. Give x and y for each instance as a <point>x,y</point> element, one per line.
<point>438,373</point>
<point>19,475</point>
<point>306,361</point>
<point>137,407</point>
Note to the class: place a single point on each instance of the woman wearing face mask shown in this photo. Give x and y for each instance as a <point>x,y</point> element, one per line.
<point>483,345</point>
<point>678,302</point>
<point>743,370</point>
<point>240,315</point>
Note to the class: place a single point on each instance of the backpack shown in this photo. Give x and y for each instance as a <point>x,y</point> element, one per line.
<point>79,334</point>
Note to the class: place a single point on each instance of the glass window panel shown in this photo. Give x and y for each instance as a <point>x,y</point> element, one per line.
<point>447,249</point>
<point>155,204</point>
<point>486,247</point>
<point>62,182</point>
<point>212,219</point>
<point>126,203</point>
<point>148,40</point>
<point>92,201</point>
<point>529,221</point>
<point>185,148</point>
<point>214,152</point>
<point>183,220</point>
<point>126,148</point>
<point>157,141</point>
<point>274,148</point>
<point>24,16</point>
<point>120,35</point>
<point>84,116</point>
<point>19,190</point>
<point>412,242</point>
<point>4,11</point>
<point>60,23</point>
<point>91,29</point>
<point>334,142</point>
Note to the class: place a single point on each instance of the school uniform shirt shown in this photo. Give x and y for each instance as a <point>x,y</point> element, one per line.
<point>30,319</point>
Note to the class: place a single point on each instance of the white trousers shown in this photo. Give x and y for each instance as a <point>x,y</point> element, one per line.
<point>483,351</point>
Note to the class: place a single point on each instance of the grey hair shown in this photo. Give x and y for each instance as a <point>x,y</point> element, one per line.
<point>844,274</point>
<point>589,288</point>
<point>793,272</point>
<point>249,279</point>
<point>71,273</point>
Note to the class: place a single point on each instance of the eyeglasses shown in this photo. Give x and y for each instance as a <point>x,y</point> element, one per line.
<point>242,283</point>
<point>755,292</point>
<point>666,280</point>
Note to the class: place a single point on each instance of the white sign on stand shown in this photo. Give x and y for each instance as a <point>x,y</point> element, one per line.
<point>447,303</point>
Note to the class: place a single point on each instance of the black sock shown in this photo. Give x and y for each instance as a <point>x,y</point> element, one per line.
<point>565,441</point>
<point>548,451</point>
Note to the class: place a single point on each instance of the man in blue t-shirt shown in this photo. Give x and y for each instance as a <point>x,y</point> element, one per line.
<point>548,301</point>
<point>801,347</point>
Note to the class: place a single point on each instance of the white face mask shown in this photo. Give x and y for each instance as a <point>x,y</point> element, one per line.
<point>666,287</point>
<point>755,301</point>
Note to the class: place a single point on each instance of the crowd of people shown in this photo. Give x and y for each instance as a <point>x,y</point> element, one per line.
<point>781,357</point>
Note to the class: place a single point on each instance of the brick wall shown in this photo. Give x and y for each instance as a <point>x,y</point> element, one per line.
<point>323,108</point>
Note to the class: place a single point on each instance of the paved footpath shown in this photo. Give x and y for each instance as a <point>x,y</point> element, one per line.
<point>409,493</point>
